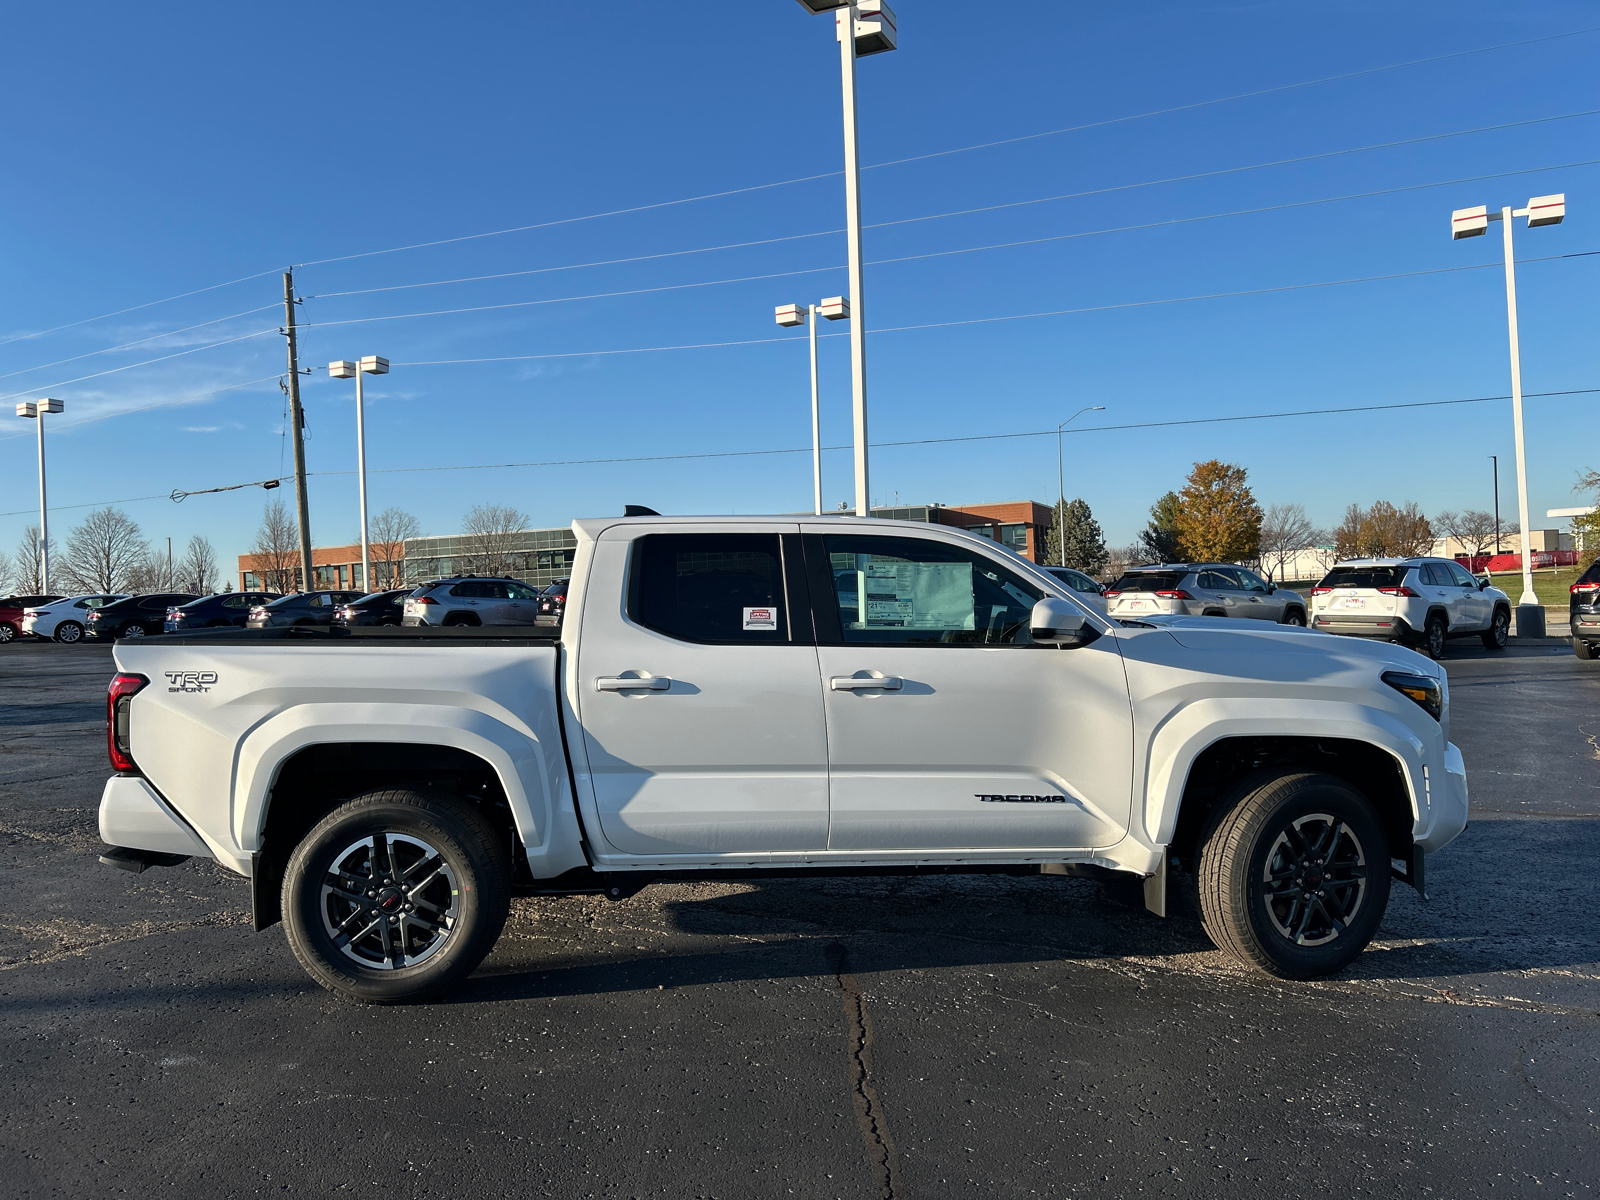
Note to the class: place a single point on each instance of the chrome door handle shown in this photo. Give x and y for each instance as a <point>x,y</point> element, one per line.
<point>851,683</point>
<point>615,683</point>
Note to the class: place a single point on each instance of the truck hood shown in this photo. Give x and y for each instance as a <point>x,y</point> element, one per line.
<point>1296,645</point>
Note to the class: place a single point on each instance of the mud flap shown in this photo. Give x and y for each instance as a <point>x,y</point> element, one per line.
<point>1414,873</point>
<point>266,891</point>
<point>1155,889</point>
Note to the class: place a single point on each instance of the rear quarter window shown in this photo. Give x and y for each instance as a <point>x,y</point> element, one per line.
<point>1147,581</point>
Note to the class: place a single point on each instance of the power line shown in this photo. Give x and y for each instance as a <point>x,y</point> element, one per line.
<point>154,337</point>
<point>22,337</point>
<point>45,387</point>
<point>128,412</point>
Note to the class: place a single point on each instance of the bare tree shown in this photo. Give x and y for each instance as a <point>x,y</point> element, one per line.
<point>387,540</point>
<point>276,549</point>
<point>1120,558</point>
<point>27,570</point>
<point>149,574</point>
<point>489,537</point>
<point>1285,532</point>
<point>105,553</point>
<point>197,572</point>
<point>1473,528</point>
<point>5,570</point>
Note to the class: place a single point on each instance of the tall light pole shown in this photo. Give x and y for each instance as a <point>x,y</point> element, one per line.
<point>1495,459</point>
<point>1061,487</point>
<point>372,364</point>
<point>862,28</point>
<point>37,409</point>
<point>1474,222</point>
<point>836,308</point>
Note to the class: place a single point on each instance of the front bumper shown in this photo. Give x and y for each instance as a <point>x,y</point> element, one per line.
<point>134,816</point>
<point>1447,802</point>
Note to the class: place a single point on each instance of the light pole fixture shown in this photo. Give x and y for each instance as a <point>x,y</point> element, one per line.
<point>1061,487</point>
<point>36,409</point>
<point>372,364</point>
<point>1474,222</point>
<point>789,315</point>
<point>864,27</point>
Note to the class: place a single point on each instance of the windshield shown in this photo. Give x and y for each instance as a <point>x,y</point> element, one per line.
<point>1364,577</point>
<point>1148,581</point>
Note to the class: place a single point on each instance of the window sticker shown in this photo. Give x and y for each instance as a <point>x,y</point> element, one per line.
<point>919,595</point>
<point>761,618</point>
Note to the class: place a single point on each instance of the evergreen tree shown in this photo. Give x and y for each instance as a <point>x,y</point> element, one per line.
<point>1159,539</point>
<point>1085,545</point>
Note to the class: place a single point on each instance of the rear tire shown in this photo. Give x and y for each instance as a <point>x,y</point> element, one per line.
<point>131,630</point>
<point>1494,638</point>
<point>68,632</point>
<point>396,896</point>
<point>1434,636</point>
<point>8,633</point>
<point>1293,875</point>
<point>1583,649</point>
<point>460,620</point>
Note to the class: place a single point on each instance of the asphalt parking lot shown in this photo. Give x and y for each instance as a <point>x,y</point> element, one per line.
<point>888,1038</point>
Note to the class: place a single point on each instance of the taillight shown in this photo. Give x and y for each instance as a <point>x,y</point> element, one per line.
<point>1400,591</point>
<point>425,600</point>
<point>1113,593</point>
<point>1320,591</point>
<point>1177,594</point>
<point>122,690</point>
<point>1577,587</point>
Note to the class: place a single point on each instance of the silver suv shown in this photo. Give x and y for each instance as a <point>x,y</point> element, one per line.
<point>1419,602</point>
<point>1201,590</point>
<point>472,600</point>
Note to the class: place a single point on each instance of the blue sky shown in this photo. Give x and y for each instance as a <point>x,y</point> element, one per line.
<point>152,152</point>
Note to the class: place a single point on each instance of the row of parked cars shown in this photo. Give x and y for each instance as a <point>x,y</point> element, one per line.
<point>460,600</point>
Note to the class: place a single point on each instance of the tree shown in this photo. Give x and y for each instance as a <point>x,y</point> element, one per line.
<point>1383,531</point>
<point>276,549</point>
<point>387,541</point>
<point>1119,559</point>
<point>26,569</point>
<point>1285,532</point>
<point>1085,545</point>
<point>1586,529</point>
<point>490,537</point>
<point>1218,518</point>
<point>1473,528</point>
<point>105,553</point>
<point>197,571</point>
<point>5,570</point>
<point>1159,539</point>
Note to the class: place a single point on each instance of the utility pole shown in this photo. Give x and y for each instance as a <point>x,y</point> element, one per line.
<point>1495,459</point>
<point>297,421</point>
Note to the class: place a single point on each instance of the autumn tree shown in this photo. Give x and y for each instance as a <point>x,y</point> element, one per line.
<point>490,538</point>
<point>1075,539</point>
<point>1218,519</point>
<point>1383,531</point>
<point>1159,539</point>
<point>276,549</point>
<point>387,541</point>
<point>105,553</point>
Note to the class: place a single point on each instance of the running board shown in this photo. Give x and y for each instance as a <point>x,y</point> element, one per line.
<point>138,861</point>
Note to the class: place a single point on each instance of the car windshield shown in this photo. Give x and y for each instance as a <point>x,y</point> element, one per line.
<point>1147,581</point>
<point>1364,577</point>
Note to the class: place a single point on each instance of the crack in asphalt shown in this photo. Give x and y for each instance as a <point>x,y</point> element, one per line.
<point>863,1094</point>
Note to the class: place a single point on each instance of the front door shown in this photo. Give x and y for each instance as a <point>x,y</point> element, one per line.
<point>697,692</point>
<point>1259,602</point>
<point>948,727</point>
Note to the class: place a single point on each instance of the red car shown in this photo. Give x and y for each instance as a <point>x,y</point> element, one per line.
<point>11,614</point>
<point>552,603</point>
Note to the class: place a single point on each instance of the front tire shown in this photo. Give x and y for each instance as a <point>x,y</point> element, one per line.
<point>1294,875</point>
<point>1494,638</point>
<point>69,632</point>
<point>1295,616</point>
<point>396,895</point>
<point>131,630</point>
<point>7,633</point>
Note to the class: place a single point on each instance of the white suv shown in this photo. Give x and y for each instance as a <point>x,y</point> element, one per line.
<point>1421,602</point>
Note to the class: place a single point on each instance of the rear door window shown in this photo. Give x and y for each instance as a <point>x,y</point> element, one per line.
<point>719,588</point>
<point>1363,577</point>
<point>1216,581</point>
<point>1147,581</point>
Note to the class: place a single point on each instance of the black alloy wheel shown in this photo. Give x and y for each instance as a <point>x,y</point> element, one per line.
<point>1294,875</point>
<point>1434,636</point>
<point>396,895</point>
<point>1495,637</point>
<point>69,632</point>
<point>1295,616</point>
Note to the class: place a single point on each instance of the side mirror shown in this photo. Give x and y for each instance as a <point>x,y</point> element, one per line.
<point>1483,583</point>
<point>1056,623</point>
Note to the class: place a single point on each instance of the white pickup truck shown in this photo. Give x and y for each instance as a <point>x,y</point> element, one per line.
<point>733,695</point>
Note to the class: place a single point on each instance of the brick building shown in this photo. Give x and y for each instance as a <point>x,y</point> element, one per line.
<point>1019,524</point>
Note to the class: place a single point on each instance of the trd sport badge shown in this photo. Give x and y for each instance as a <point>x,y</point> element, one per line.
<point>190,681</point>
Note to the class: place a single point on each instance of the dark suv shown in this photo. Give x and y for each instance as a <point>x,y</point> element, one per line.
<point>137,616</point>
<point>552,603</point>
<point>226,608</point>
<point>380,608</point>
<point>1583,611</point>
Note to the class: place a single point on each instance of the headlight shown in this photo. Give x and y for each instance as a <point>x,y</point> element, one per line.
<point>1424,689</point>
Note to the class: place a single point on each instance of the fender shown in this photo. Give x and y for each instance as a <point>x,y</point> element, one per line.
<point>1187,731</point>
<point>529,763</point>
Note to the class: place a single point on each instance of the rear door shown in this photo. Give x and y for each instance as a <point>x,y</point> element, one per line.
<point>1475,607</point>
<point>948,727</point>
<point>696,687</point>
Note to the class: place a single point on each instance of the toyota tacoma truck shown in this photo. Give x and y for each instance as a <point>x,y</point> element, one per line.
<point>739,696</point>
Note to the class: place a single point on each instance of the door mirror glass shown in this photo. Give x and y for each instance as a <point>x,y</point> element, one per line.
<point>1054,622</point>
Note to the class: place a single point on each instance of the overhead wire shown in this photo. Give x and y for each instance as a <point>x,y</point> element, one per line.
<point>154,337</point>
<point>45,387</point>
<point>128,412</point>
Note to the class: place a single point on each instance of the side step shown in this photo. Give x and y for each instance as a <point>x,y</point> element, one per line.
<point>140,860</point>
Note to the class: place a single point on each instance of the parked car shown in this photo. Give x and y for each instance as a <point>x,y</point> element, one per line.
<point>1583,612</point>
<point>472,600</point>
<point>65,619</point>
<point>721,707</point>
<point>12,609</point>
<point>210,612</point>
<point>1086,589</point>
<point>553,603</point>
<point>378,608</point>
<point>135,616</point>
<point>300,608</point>
<point>1419,602</point>
<point>1202,590</point>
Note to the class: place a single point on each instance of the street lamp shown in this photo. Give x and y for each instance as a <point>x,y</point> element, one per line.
<point>789,315</point>
<point>37,409</point>
<point>1474,222</point>
<point>372,364</point>
<point>864,27</point>
<point>1061,487</point>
